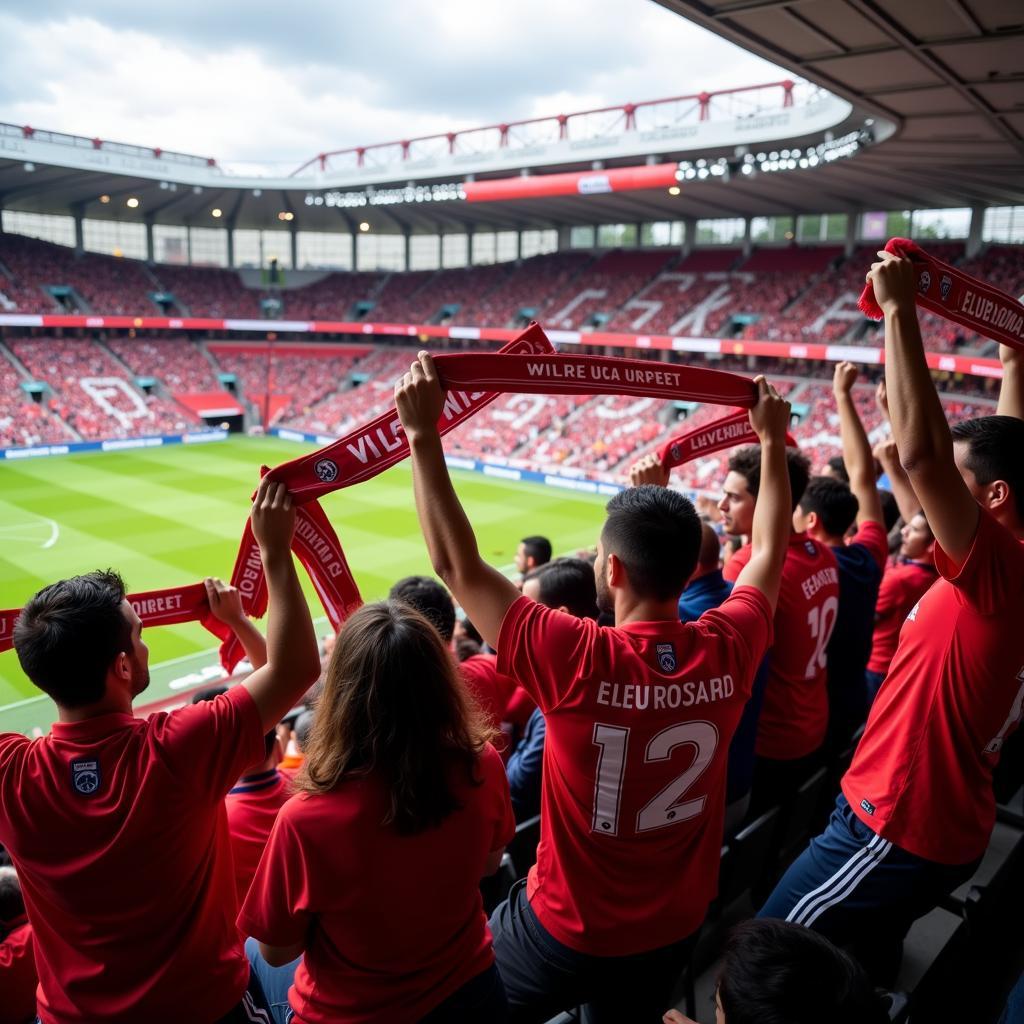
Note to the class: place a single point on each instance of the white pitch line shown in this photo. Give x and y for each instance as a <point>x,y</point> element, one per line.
<point>54,532</point>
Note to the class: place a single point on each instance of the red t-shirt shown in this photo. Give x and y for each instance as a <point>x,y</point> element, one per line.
<point>18,978</point>
<point>794,715</point>
<point>118,829</point>
<point>639,720</point>
<point>922,774</point>
<point>394,924</point>
<point>252,808</point>
<point>520,706</point>
<point>491,689</point>
<point>902,587</point>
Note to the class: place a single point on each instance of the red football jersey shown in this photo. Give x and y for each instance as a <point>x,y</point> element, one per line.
<point>902,587</point>
<point>639,720</point>
<point>252,808</point>
<point>922,774</point>
<point>18,978</point>
<point>394,924</point>
<point>520,706</point>
<point>794,715</point>
<point>491,689</point>
<point>118,829</point>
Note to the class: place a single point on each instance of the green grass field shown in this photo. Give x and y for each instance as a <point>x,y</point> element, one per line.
<point>170,516</point>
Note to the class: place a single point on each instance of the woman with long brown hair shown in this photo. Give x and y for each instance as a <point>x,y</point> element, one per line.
<point>372,871</point>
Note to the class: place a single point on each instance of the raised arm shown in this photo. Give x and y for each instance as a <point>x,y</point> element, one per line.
<point>918,423</point>
<point>479,588</point>
<point>860,463</point>
<point>1011,390</point>
<point>902,489</point>
<point>773,514</point>
<point>226,605</point>
<point>293,661</point>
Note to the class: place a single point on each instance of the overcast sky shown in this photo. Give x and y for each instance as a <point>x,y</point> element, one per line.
<point>280,81</point>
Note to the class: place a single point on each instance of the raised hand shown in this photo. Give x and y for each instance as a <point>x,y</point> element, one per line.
<point>225,600</point>
<point>273,517</point>
<point>844,377</point>
<point>770,417</point>
<point>419,398</point>
<point>893,281</point>
<point>648,470</point>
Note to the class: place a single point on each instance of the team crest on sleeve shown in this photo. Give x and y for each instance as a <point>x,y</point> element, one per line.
<point>924,282</point>
<point>326,470</point>
<point>85,777</point>
<point>666,657</point>
<point>945,284</point>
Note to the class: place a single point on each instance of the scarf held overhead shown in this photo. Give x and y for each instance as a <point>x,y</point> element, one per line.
<point>950,293</point>
<point>727,432</point>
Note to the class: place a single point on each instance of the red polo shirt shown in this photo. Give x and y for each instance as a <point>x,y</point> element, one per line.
<point>252,807</point>
<point>18,978</point>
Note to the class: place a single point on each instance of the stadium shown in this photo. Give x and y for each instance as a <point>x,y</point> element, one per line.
<point>171,322</point>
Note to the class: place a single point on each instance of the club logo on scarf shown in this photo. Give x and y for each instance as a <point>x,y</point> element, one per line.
<point>666,657</point>
<point>676,452</point>
<point>924,282</point>
<point>326,470</point>
<point>85,777</point>
<point>945,284</point>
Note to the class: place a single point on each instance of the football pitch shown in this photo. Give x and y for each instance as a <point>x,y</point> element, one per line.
<point>170,516</point>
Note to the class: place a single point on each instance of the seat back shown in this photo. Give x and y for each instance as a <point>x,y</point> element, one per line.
<point>745,857</point>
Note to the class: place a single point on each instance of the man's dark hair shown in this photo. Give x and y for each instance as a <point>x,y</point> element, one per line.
<point>710,547</point>
<point>303,724</point>
<point>655,533</point>
<point>890,510</point>
<point>12,904</point>
<point>430,599</point>
<point>779,973</point>
<point>68,635</point>
<point>208,693</point>
<point>833,501</point>
<point>537,548</point>
<point>472,632</point>
<point>569,583</point>
<point>838,466</point>
<point>747,462</point>
<point>995,447</point>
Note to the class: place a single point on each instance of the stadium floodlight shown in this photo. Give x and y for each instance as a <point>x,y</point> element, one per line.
<point>674,190</point>
<point>257,192</point>
<point>104,199</point>
<point>364,226</point>
<point>131,202</point>
<point>216,211</point>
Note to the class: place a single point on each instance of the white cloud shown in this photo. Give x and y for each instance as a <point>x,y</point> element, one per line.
<point>402,68</point>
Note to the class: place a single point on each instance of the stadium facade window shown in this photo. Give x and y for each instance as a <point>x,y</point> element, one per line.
<point>209,247</point>
<point>170,243</point>
<point>661,232</point>
<point>247,248</point>
<point>381,252</point>
<point>836,225</point>
<point>324,250</point>
<point>424,252</point>
<point>505,246</point>
<point>583,237</point>
<point>879,225</point>
<point>616,236</point>
<point>722,231</point>
<point>455,250</point>
<point>949,223</point>
<point>536,243</point>
<point>484,247</point>
<point>115,238</point>
<point>48,227</point>
<point>821,227</point>
<point>772,229</point>
<point>1003,224</point>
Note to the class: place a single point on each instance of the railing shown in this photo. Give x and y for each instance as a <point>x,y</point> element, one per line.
<point>120,148</point>
<point>648,117</point>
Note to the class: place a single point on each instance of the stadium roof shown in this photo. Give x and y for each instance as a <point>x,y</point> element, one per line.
<point>922,108</point>
<point>947,72</point>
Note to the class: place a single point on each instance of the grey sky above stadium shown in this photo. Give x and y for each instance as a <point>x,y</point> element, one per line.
<point>272,81</point>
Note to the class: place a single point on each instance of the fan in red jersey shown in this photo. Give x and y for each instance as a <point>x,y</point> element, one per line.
<point>639,718</point>
<point>917,807</point>
<point>794,716</point>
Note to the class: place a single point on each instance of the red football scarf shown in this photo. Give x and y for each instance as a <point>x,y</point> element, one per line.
<point>957,296</point>
<point>727,432</point>
<point>155,607</point>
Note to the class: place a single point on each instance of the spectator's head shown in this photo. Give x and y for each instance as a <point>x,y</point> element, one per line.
<point>208,693</point>
<point>989,453</point>
<point>567,584</point>
<point>12,905</point>
<point>710,557</point>
<point>301,730</point>
<point>465,628</point>
<point>917,539</point>
<point>779,973</point>
<point>80,641</point>
<point>890,510</point>
<point>826,510</point>
<point>393,706</point>
<point>836,468</point>
<point>648,546</point>
<point>744,481</point>
<point>430,599</point>
<point>327,644</point>
<point>532,553</point>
